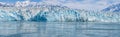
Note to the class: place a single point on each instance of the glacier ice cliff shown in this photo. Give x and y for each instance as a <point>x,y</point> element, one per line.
<point>50,13</point>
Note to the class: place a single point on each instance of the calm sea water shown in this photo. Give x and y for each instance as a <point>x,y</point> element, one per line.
<point>59,29</point>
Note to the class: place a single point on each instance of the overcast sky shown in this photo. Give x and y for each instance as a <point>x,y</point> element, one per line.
<point>78,4</point>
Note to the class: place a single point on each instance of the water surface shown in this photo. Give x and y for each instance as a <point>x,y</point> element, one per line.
<point>59,29</point>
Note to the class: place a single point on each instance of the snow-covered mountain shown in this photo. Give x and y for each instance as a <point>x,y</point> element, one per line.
<point>113,8</point>
<point>18,4</point>
<point>2,4</point>
<point>24,4</point>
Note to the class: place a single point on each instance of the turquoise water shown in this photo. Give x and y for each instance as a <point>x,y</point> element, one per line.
<point>59,29</point>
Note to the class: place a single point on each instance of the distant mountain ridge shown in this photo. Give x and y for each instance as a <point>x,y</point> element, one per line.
<point>24,4</point>
<point>2,4</point>
<point>113,8</point>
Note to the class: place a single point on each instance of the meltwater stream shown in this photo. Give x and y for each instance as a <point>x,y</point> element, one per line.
<point>59,29</point>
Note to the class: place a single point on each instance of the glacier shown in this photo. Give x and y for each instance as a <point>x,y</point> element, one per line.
<point>51,13</point>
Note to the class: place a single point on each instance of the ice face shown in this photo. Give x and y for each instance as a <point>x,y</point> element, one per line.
<point>55,14</point>
<point>9,14</point>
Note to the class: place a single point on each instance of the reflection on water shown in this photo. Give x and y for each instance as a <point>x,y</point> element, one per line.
<point>59,29</point>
